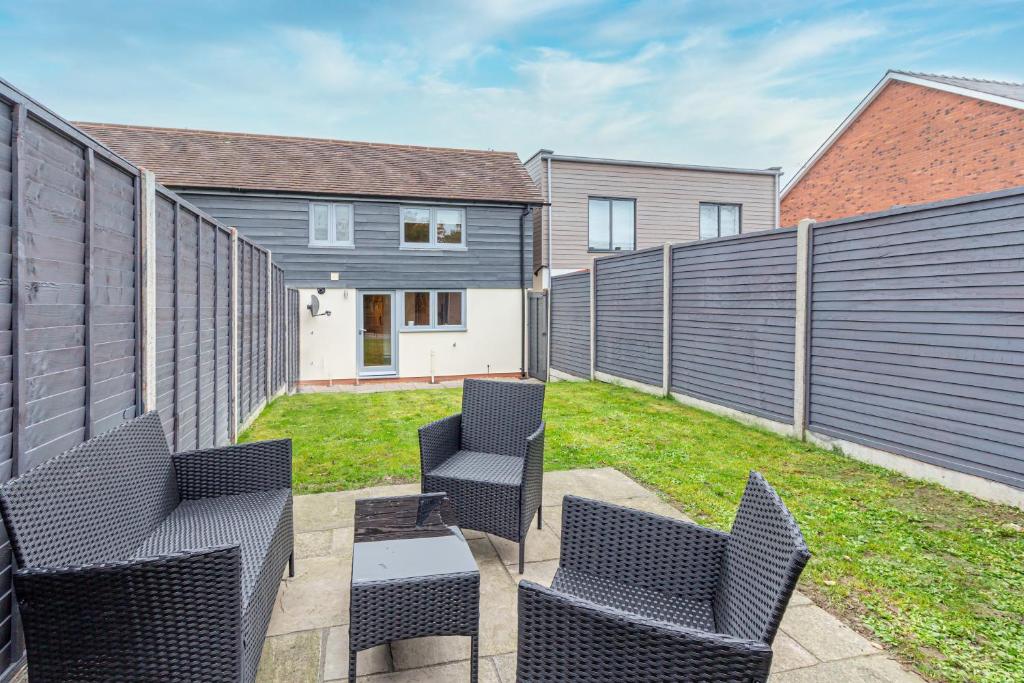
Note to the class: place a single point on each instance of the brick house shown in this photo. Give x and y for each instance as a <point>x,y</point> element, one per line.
<point>914,138</point>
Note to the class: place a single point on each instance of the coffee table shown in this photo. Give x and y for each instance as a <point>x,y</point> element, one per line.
<point>413,575</point>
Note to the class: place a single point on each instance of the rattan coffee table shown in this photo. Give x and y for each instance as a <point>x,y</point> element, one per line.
<point>413,575</point>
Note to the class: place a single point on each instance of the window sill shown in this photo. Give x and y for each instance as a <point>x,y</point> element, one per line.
<point>609,251</point>
<point>410,247</point>
<point>316,245</point>
<point>420,330</point>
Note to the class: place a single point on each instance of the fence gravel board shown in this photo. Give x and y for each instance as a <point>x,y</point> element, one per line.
<point>570,323</point>
<point>733,317</point>
<point>921,359</point>
<point>629,305</point>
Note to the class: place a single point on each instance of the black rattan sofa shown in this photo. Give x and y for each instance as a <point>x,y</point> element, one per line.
<point>489,459</point>
<point>640,598</point>
<point>135,564</point>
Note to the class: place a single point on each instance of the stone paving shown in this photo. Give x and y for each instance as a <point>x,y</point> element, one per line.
<point>308,636</point>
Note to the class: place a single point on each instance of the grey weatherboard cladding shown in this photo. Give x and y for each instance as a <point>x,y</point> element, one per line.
<point>733,315</point>
<point>281,224</point>
<point>917,333</point>
<point>570,323</point>
<point>629,305</point>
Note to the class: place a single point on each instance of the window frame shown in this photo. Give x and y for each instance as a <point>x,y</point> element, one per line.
<point>611,224</point>
<point>433,244</point>
<point>332,226</point>
<point>434,326</point>
<point>718,215</point>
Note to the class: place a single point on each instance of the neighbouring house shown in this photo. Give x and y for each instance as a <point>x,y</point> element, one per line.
<point>420,254</point>
<point>915,138</point>
<point>600,206</point>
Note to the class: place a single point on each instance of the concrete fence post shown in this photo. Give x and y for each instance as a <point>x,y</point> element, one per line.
<point>147,279</point>
<point>593,319</point>
<point>233,343</point>
<point>666,321</point>
<point>801,346</point>
<point>270,326</point>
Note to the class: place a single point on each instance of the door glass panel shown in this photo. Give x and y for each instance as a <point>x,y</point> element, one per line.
<point>377,326</point>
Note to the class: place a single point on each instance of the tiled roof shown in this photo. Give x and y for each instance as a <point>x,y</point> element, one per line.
<point>1013,91</point>
<point>275,163</point>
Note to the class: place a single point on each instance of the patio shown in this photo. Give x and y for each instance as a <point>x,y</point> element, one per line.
<point>307,638</point>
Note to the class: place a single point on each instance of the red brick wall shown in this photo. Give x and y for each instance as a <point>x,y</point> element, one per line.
<point>912,144</point>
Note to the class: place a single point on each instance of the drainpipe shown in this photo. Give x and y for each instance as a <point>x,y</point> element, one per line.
<point>778,212</point>
<point>551,263</point>
<point>522,292</point>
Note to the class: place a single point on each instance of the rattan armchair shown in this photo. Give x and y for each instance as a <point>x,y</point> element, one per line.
<point>138,565</point>
<point>640,598</point>
<point>489,458</point>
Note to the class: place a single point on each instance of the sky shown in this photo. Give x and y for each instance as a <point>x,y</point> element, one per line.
<point>717,83</point>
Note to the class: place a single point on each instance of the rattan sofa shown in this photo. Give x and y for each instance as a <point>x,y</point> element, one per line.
<point>136,564</point>
<point>640,598</point>
<point>489,458</point>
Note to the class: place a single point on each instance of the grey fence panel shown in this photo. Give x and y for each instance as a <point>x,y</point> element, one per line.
<point>733,318</point>
<point>629,301</point>
<point>917,345</point>
<point>570,323</point>
<point>253,262</point>
<point>68,299</point>
<point>222,368</point>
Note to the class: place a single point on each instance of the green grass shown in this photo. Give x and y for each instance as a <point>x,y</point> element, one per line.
<point>936,576</point>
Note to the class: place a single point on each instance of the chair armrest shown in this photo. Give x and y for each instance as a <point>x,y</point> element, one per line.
<point>632,546</point>
<point>565,638</point>
<point>438,441</point>
<point>533,475</point>
<point>243,468</point>
<point>175,616</point>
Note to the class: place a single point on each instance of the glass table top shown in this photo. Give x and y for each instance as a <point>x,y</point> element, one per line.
<point>408,537</point>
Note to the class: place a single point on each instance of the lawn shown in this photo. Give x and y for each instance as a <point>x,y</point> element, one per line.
<point>936,576</point>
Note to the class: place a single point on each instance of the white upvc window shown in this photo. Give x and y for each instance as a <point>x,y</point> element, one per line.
<point>432,227</point>
<point>330,225</point>
<point>438,310</point>
<point>719,220</point>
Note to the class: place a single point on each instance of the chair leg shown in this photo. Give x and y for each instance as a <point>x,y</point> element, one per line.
<point>474,659</point>
<point>291,565</point>
<point>352,665</point>
<point>522,554</point>
<point>538,517</point>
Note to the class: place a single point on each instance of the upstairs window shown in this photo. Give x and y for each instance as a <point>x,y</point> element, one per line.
<point>719,220</point>
<point>612,224</point>
<point>330,225</point>
<point>433,227</point>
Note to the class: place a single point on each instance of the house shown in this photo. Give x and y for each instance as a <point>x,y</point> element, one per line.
<point>419,254</point>
<point>598,206</point>
<point>915,138</point>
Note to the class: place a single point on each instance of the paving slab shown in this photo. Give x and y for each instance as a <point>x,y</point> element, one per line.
<point>324,543</point>
<point>291,658</point>
<point>372,661</point>
<point>873,669</point>
<point>823,635</point>
<point>541,544</point>
<point>789,654</point>
<point>445,673</point>
<point>316,598</point>
<point>506,667</point>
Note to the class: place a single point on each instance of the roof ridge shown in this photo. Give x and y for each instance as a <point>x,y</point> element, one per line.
<point>273,136</point>
<point>959,78</point>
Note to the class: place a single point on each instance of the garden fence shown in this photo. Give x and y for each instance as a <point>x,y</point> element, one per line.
<point>118,297</point>
<point>900,331</point>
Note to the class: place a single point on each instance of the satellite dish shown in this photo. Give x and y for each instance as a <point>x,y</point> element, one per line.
<point>314,306</point>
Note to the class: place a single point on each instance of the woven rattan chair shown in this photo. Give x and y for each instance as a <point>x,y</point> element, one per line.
<point>642,598</point>
<point>489,459</point>
<point>138,565</point>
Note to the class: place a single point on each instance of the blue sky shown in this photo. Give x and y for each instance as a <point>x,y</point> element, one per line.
<point>722,83</point>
